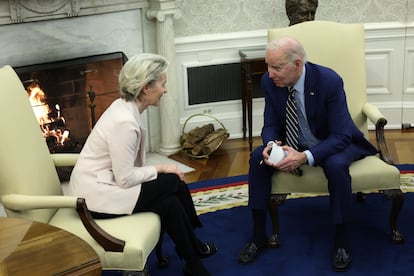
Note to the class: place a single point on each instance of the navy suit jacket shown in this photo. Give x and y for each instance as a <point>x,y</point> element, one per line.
<point>326,111</point>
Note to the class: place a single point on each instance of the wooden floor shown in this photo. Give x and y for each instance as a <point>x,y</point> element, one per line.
<point>232,157</point>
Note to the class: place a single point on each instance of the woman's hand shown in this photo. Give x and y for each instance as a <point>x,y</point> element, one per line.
<point>169,168</point>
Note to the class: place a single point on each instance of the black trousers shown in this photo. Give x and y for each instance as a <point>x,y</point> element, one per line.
<point>170,198</point>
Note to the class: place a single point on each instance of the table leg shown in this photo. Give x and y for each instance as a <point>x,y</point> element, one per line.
<point>243,98</point>
<point>249,92</point>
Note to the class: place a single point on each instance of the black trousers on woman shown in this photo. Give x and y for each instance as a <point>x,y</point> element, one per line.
<point>170,198</point>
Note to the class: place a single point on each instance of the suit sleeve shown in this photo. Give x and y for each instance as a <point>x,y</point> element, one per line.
<point>273,118</point>
<point>334,123</point>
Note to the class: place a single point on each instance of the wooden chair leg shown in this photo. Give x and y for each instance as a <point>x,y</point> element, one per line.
<point>163,261</point>
<point>397,197</point>
<point>274,202</point>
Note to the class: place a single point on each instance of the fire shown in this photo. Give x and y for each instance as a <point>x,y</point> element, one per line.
<point>51,125</point>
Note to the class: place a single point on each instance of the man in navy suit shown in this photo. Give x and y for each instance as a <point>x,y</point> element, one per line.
<point>327,138</point>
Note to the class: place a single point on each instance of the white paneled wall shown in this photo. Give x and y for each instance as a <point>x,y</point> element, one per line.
<point>385,56</point>
<point>408,96</point>
<point>388,56</point>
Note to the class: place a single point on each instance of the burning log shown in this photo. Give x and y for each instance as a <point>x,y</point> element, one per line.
<point>51,123</point>
<point>55,124</point>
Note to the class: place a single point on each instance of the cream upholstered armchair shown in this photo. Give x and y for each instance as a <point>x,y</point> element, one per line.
<point>30,188</point>
<point>341,47</point>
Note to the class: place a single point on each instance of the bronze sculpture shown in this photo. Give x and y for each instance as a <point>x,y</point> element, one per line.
<point>300,10</point>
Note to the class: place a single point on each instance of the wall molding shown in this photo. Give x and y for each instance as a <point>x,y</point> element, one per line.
<point>20,11</point>
<point>386,51</point>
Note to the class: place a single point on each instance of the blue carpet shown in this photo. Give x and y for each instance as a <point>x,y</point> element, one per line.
<point>306,236</point>
<point>406,167</point>
<point>217,182</point>
<point>306,239</point>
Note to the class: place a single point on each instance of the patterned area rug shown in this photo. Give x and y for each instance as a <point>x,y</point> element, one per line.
<point>407,182</point>
<point>226,193</point>
<point>220,197</point>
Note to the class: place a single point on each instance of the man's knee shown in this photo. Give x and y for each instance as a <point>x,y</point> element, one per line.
<point>256,156</point>
<point>336,163</point>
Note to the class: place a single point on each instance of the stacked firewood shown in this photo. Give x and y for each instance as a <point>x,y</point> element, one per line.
<point>203,141</point>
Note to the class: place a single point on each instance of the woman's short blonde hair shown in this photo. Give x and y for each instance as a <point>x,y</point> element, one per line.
<point>138,71</point>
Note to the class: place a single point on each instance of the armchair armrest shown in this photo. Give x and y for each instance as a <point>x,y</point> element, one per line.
<point>19,202</point>
<point>372,112</point>
<point>64,159</point>
<point>376,117</point>
<point>107,241</point>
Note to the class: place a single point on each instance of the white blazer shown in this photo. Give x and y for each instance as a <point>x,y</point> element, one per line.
<point>109,171</point>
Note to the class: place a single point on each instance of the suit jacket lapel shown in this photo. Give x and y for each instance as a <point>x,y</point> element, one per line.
<point>310,94</point>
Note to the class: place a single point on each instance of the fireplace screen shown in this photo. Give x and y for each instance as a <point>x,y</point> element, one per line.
<point>69,96</point>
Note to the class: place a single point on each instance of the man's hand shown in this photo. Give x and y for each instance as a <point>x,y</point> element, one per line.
<point>293,160</point>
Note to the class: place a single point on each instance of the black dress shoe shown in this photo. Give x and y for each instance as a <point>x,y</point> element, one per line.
<point>341,260</point>
<point>249,252</point>
<point>208,249</point>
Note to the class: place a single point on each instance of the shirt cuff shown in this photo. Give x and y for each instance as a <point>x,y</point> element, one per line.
<point>270,143</point>
<point>309,157</point>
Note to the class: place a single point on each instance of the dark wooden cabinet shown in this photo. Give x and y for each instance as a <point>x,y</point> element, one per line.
<point>252,64</point>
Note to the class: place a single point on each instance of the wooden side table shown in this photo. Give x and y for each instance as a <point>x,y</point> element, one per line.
<point>252,64</point>
<point>34,248</point>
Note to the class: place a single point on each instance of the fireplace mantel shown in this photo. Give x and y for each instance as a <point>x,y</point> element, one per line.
<point>66,29</point>
<point>20,11</point>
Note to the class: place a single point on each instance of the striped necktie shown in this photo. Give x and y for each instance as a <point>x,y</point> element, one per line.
<point>292,125</point>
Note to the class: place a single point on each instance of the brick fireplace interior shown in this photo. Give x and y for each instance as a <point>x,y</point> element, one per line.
<point>77,90</point>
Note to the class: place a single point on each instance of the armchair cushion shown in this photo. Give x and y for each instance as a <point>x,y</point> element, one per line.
<point>132,229</point>
<point>370,173</point>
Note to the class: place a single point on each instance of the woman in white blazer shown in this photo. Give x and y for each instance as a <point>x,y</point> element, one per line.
<point>110,173</point>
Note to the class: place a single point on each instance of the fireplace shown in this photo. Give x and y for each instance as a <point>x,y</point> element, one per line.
<point>69,96</point>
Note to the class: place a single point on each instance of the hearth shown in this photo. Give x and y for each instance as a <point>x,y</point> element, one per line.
<point>69,96</point>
